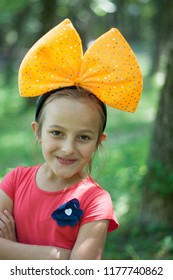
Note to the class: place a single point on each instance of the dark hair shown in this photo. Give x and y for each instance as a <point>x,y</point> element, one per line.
<point>41,101</point>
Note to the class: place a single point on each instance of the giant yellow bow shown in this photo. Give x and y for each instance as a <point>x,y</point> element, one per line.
<point>108,68</point>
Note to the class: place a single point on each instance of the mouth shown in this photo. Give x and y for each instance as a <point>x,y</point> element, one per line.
<point>66,161</point>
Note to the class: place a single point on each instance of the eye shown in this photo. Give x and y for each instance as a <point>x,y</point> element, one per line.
<point>56,133</point>
<point>84,138</point>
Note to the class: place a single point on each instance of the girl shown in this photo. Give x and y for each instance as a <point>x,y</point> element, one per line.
<point>55,210</point>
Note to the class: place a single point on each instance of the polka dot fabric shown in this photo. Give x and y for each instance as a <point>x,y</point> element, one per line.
<point>109,68</point>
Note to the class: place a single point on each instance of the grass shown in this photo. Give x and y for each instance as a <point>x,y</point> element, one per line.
<point>119,167</point>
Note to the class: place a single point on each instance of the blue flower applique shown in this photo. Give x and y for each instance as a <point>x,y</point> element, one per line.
<point>68,213</point>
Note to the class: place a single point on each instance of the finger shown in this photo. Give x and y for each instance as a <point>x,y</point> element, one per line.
<point>2,234</point>
<point>4,218</point>
<point>9,216</point>
<point>5,224</point>
<point>4,229</point>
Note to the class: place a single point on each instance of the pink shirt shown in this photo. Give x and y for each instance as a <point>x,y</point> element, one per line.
<point>33,208</point>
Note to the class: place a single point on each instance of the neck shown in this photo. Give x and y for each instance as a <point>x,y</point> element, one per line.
<point>48,181</point>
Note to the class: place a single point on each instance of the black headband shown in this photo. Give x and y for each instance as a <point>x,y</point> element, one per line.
<point>43,98</point>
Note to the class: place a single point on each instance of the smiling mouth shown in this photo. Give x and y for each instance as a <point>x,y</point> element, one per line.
<point>66,161</point>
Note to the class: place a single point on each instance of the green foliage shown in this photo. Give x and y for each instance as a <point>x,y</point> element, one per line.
<point>132,242</point>
<point>163,183</point>
<point>10,6</point>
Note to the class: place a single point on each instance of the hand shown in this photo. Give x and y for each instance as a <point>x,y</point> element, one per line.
<point>57,253</point>
<point>54,254</point>
<point>7,226</point>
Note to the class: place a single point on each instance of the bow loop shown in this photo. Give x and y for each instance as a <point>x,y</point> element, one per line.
<point>52,63</point>
<point>110,71</point>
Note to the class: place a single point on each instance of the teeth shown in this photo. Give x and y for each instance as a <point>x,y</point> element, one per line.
<point>64,160</point>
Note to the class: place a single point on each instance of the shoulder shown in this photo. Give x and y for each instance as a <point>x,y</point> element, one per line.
<point>24,170</point>
<point>15,177</point>
<point>92,189</point>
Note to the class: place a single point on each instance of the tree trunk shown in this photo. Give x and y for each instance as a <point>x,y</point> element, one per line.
<point>48,16</point>
<point>163,24</point>
<point>157,196</point>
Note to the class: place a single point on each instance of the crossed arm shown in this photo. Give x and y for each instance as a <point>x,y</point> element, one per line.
<point>89,244</point>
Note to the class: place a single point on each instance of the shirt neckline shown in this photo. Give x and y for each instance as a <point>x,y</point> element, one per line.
<point>83,181</point>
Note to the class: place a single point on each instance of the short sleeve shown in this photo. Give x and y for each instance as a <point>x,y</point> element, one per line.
<point>98,206</point>
<point>8,184</point>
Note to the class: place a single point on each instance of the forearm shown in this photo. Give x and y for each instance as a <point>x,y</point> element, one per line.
<point>10,250</point>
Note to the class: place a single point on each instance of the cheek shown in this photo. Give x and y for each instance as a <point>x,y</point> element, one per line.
<point>48,144</point>
<point>89,150</point>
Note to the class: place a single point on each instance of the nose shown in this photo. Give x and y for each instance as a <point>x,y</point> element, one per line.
<point>68,146</point>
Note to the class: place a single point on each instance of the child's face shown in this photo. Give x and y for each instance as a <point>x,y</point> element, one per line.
<point>69,135</point>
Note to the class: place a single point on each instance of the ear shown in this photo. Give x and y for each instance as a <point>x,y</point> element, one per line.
<point>34,126</point>
<point>103,137</point>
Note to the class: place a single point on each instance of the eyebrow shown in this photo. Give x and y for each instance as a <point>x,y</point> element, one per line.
<point>81,131</point>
